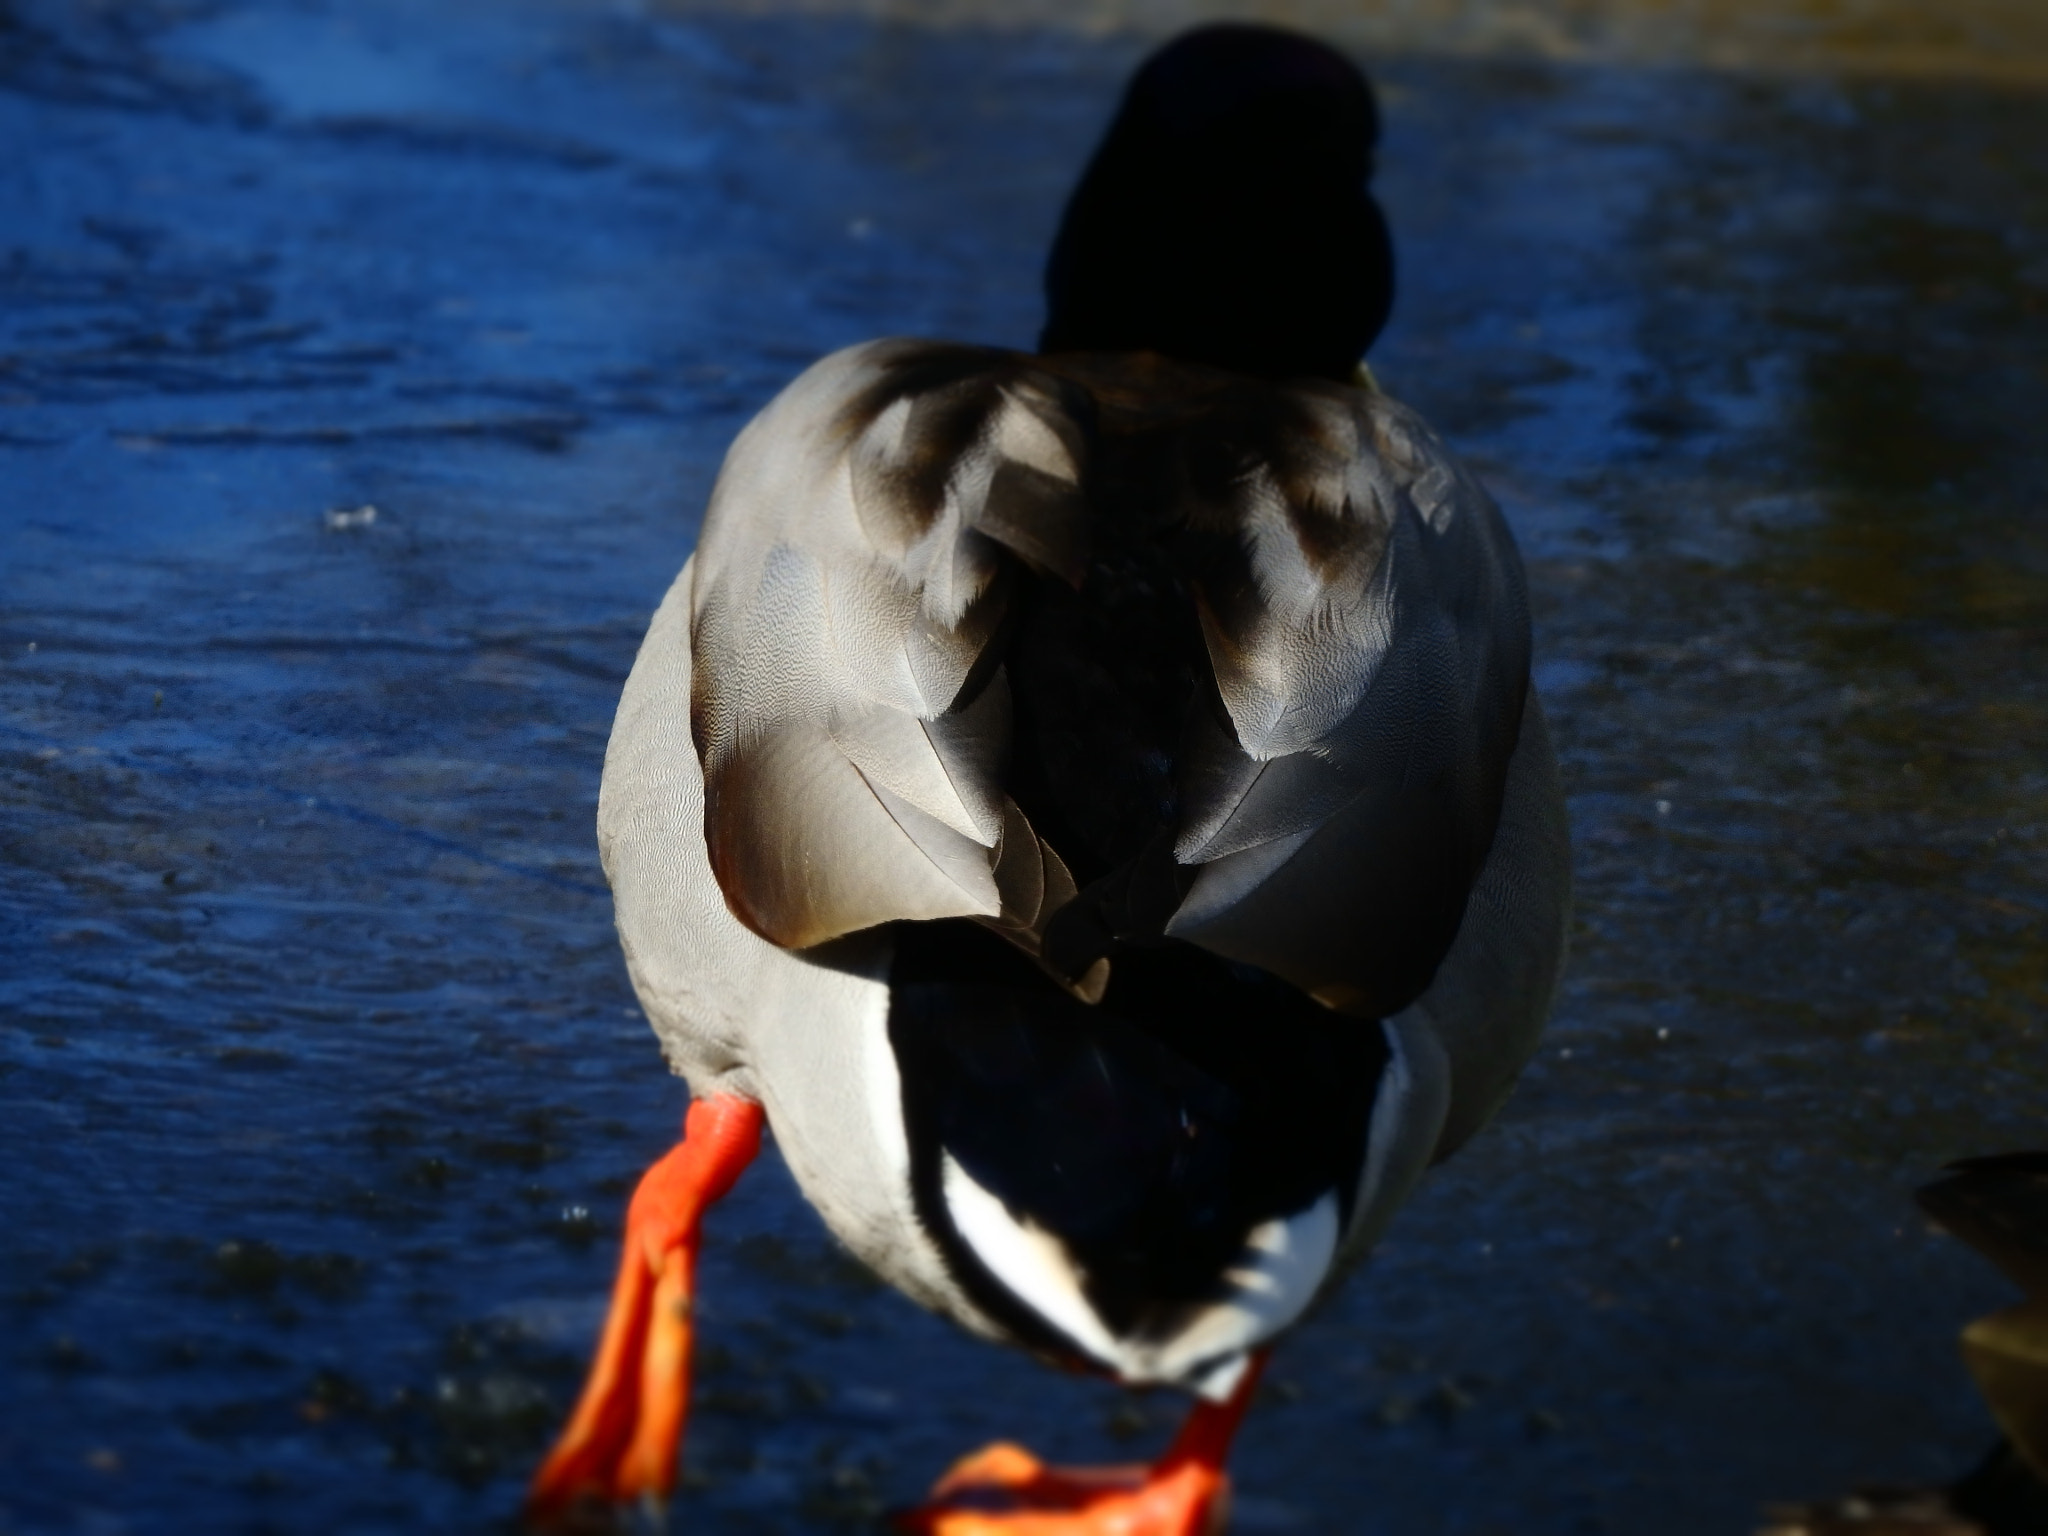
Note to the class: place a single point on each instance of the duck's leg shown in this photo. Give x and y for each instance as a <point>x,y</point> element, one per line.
<point>1006,1491</point>
<point>623,1440</point>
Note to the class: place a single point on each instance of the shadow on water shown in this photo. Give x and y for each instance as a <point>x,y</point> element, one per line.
<point>321,1088</point>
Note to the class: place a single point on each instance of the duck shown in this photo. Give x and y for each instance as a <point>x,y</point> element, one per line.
<point>1091,805</point>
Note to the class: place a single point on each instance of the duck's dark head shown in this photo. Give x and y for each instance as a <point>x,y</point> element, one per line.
<point>1226,219</point>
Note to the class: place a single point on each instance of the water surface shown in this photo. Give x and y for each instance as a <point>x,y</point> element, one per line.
<point>321,1086</point>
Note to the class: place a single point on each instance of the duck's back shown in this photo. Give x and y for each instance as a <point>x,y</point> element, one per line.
<point>1155,725</point>
<point>1244,663</point>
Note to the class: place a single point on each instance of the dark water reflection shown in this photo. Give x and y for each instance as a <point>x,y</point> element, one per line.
<point>320,1085</point>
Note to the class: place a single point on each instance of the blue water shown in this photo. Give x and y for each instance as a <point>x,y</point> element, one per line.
<point>321,1086</point>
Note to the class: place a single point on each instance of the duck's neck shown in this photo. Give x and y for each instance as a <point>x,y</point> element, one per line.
<point>1233,288</point>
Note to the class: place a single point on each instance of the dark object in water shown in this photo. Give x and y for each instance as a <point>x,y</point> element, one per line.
<point>1873,1512</point>
<point>2004,1496</point>
<point>2008,1354</point>
<point>1999,1206</point>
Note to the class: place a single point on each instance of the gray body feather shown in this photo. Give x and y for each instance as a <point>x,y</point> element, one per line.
<point>813,742</point>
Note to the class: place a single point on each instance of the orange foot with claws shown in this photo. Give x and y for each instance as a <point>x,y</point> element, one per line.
<point>622,1443</point>
<point>1006,1491</point>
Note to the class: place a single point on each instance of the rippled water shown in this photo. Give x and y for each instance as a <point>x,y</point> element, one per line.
<point>321,1087</point>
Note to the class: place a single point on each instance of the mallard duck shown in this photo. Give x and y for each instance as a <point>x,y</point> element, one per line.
<point>1091,803</point>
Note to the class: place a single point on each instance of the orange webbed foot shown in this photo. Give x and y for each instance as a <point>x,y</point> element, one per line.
<point>622,1442</point>
<point>1004,1490</point>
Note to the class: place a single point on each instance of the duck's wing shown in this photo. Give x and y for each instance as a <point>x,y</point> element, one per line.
<point>857,563</point>
<point>1363,644</point>
<point>1366,619</point>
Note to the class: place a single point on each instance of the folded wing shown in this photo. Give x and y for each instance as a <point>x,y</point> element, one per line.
<point>1364,639</point>
<point>857,562</point>
<point>1365,615</point>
